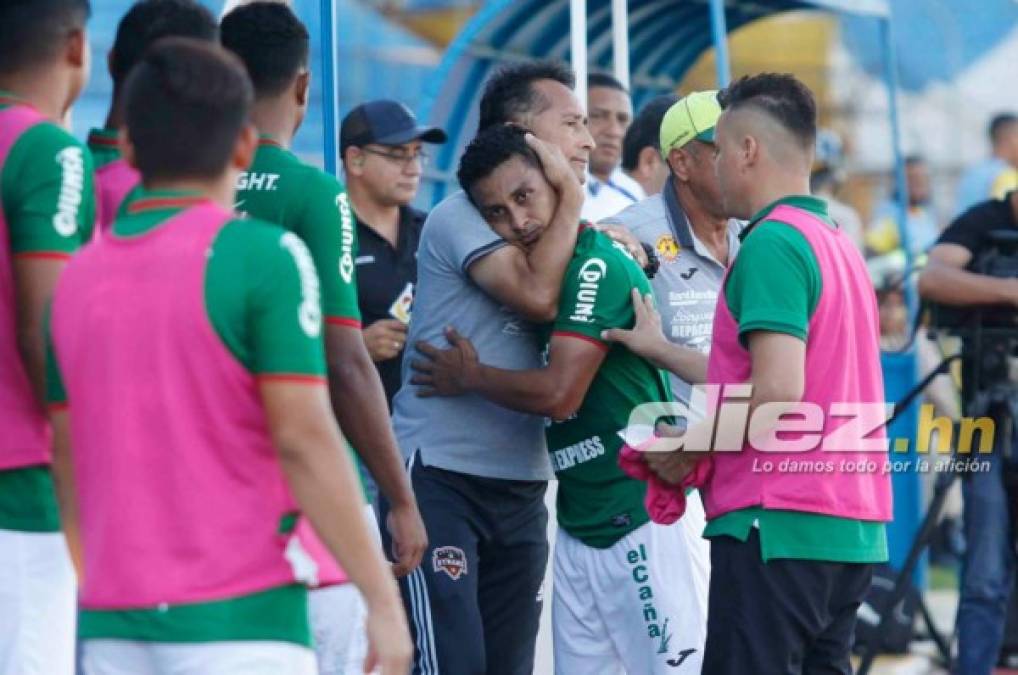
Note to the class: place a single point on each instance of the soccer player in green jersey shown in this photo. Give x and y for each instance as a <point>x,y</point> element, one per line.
<point>146,22</point>
<point>278,187</point>
<point>627,591</point>
<point>47,213</point>
<point>186,374</point>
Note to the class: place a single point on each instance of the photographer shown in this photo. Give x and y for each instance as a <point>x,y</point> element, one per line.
<point>951,278</point>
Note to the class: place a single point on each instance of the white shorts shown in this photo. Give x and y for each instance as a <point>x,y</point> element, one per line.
<point>241,657</point>
<point>638,607</point>
<point>37,604</point>
<point>337,625</point>
<point>337,617</point>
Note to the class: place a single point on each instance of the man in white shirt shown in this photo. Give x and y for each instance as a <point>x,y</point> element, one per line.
<point>610,112</point>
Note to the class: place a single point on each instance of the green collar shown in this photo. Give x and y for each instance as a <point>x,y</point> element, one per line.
<point>265,141</point>
<point>149,208</point>
<point>814,205</point>
<point>106,138</point>
<point>10,98</point>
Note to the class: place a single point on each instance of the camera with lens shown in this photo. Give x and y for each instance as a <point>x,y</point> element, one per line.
<point>989,333</point>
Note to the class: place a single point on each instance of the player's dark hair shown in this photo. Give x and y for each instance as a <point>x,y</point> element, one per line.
<point>489,150</point>
<point>270,40</point>
<point>605,80</point>
<point>1000,124</point>
<point>186,103</point>
<point>151,20</point>
<point>32,31</point>
<point>782,97</point>
<point>509,93</point>
<point>645,131</point>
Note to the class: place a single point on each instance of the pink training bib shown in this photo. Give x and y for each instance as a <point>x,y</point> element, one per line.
<point>842,366</point>
<point>25,440</point>
<point>181,495</point>
<point>116,180</point>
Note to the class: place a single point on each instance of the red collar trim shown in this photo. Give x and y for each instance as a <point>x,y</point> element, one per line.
<point>161,203</point>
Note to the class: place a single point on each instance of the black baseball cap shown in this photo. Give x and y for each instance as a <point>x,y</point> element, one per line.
<point>384,122</point>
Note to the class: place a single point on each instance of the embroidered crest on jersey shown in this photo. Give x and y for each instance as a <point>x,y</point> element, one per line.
<point>667,248</point>
<point>451,560</point>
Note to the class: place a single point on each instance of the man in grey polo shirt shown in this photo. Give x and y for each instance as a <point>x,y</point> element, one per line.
<point>479,471</point>
<point>693,238</point>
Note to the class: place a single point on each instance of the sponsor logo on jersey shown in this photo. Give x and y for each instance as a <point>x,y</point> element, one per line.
<point>72,184</point>
<point>254,180</point>
<point>310,312</point>
<point>346,261</point>
<point>667,248</point>
<point>688,274</point>
<point>590,275</point>
<point>577,453</point>
<point>451,560</point>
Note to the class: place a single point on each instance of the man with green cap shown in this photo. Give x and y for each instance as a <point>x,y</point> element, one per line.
<point>694,240</point>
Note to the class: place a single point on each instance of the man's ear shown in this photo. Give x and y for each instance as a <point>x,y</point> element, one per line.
<point>678,161</point>
<point>245,147</point>
<point>750,150</point>
<point>353,161</point>
<point>301,88</point>
<point>647,160</point>
<point>77,45</point>
<point>126,147</point>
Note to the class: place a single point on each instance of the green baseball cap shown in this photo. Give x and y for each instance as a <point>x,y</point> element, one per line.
<point>691,117</point>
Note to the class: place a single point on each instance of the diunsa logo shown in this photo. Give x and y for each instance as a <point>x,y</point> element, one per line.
<point>346,262</point>
<point>72,185</point>
<point>590,275</point>
<point>310,312</point>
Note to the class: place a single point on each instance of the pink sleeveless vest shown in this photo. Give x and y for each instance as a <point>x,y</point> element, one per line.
<point>179,489</point>
<point>842,365</point>
<point>115,180</point>
<point>328,571</point>
<point>25,440</point>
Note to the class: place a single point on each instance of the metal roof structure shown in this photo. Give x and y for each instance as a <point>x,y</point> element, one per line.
<point>665,39</point>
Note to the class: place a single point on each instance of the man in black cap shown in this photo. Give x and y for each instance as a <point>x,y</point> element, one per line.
<point>381,145</point>
<point>274,45</point>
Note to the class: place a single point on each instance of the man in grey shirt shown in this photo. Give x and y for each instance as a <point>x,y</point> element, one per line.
<point>479,471</point>
<point>694,241</point>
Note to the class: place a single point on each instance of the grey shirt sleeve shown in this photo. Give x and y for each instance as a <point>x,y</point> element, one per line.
<point>460,234</point>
